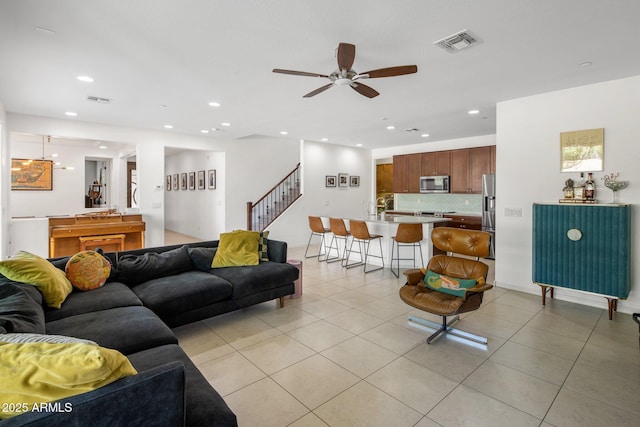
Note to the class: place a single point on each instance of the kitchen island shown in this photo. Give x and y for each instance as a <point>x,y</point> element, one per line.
<point>386,226</point>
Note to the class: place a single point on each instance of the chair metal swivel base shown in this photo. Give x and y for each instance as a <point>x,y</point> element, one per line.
<point>446,328</point>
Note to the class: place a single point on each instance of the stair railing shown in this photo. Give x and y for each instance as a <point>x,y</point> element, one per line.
<point>270,206</point>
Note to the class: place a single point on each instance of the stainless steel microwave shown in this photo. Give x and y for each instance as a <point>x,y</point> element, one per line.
<point>434,184</point>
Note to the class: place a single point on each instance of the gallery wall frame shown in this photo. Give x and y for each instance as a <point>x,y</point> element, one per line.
<point>192,180</point>
<point>168,183</point>
<point>176,186</point>
<point>211,179</point>
<point>343,180</point>
<point>201,181</point>
<point>31,174</point>
<point>183,181</point>
<point>330,181</point>
<point>354,181</point>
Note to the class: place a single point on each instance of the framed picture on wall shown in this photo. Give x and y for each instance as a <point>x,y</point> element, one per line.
<point>330,181</point>
<point>201,185</point>
<point>30,174</point>
<point>176,186</point>
<point>183,181</point>
<point>354,181</point>
<point>212,179</point>
<point>168,184</point>
<point>192,180</point>
<point>343,180</point>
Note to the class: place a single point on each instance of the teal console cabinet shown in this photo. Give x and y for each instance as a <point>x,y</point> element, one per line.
<point>583,247</point>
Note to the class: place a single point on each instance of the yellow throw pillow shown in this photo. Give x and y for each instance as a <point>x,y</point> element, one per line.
<point>25,267</point>
<point>237,248</point>
<point>36,373</point>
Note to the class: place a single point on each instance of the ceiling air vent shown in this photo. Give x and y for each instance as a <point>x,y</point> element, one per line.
<point>99,99</point>
<point>458,41</point>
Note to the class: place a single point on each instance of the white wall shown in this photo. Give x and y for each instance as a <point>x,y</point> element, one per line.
<point>528,165</point>
<point>5,185</point>
<point>319,160</point>
<point>69,189</point>
<point>198,213</point>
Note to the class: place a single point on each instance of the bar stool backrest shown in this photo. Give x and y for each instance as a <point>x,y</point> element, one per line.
<point>409,233</point>
<point>315,223</point>
<point>337,227</point>
<point>359,230</point>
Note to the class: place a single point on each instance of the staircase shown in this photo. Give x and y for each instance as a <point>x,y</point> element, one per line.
<point>270,206</point>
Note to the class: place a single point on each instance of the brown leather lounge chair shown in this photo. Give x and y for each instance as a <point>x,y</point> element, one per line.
<point>457,284</point>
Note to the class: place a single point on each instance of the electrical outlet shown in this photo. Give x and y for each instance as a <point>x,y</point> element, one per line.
<point>419,201</point>
<point>466,202</point>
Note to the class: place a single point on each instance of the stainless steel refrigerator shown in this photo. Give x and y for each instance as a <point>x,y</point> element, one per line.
<point>489,208</point>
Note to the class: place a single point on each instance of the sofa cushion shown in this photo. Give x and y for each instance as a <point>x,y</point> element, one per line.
<point>237,248</point>
<point>19,312</point>
<point>258,278</point>
<point>136,269</point>
<point>25,267</point>
<point>204,406</point>
<point>111,295</point>
<point>87,270</point>
<point>126,329</point>
<point>38,372</point>
<point>202,258</point>
<point>170,295</point>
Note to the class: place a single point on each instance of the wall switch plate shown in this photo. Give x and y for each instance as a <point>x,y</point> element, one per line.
<point>514,212</point>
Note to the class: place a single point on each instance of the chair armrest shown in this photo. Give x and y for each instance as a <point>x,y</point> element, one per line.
<point>480,286</point>
<point>414,276</point>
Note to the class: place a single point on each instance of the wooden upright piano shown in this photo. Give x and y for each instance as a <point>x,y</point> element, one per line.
<point>111,232</point>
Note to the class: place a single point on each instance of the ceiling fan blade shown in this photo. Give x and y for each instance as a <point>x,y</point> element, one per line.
<point>391,71</point>
<point>346,55</point>
<point>317,91</point>
<point>365,90</point>
<point>298,73</point>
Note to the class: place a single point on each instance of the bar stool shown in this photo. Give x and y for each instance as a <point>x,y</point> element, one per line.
<point>360,234</point>
<point>340,232</point>
<point>317,229</point>
<point>407,235</point>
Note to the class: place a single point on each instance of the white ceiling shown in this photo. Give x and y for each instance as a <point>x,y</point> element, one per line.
<point>182,54</point>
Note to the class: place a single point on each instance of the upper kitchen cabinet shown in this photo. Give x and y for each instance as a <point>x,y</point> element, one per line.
<point>384,178</point>
<point>406,173</point>
<point>467,167</point>
<point>435,163</point>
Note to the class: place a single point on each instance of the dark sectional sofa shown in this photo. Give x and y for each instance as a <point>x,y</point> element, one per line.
<point>149,291</point>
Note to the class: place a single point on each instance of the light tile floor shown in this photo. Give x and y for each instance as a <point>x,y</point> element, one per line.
<point>344,355</point>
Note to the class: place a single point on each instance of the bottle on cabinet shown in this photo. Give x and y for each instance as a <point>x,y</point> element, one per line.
<point>589,188</point>
<point>579,188</point>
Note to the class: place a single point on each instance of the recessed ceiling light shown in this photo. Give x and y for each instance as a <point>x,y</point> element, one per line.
<point>226,124</point>
<point>214,104</point>
<point>324,139</point>
<point>102,146</point>
<point>204,131</point>
<point>57,163</point>
<point>85,79</point>
<point>391,127</point>
<point>70,114</point>
<point>284,132</point>
<point>168,126</point>
<point>474,111</point>
<point>425,135</point>
<point>358,145</point>
<point>54,155</point>
<point>214,129</point>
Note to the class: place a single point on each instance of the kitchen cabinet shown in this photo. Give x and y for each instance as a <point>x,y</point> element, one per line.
<point>435,163</point>
<point>467,167</point>
<point>406,173</point>
<point>492,161</point>
<point>469,222</point>
<point>384,178</point>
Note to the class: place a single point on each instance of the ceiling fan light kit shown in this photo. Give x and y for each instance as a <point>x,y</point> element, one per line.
<point>346,76</point>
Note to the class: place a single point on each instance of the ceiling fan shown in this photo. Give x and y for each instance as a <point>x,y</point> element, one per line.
<point>346,76</point>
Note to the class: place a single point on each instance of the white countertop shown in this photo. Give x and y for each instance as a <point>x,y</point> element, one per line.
<point>407,219</point>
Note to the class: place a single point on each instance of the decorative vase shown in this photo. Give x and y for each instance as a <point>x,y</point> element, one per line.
<point>615,186</point>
